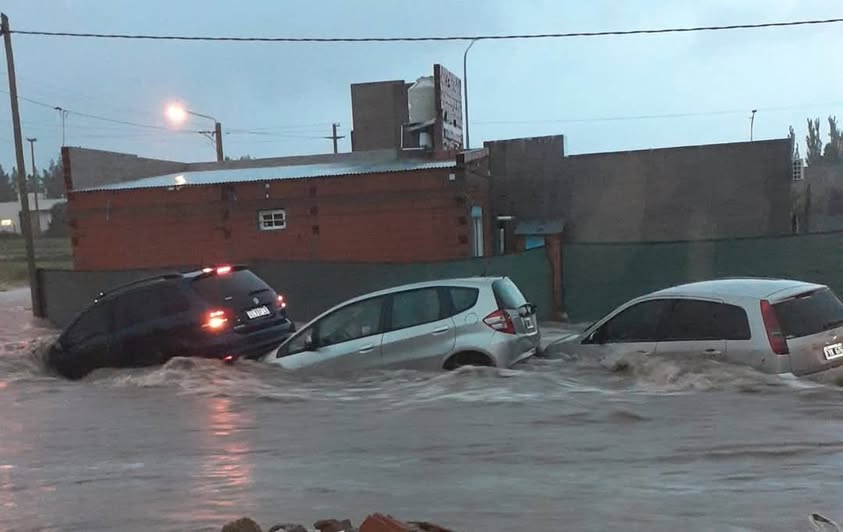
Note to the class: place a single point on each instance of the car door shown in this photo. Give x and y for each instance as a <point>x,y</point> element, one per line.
<point>148,324</point>
<point>695,327</point>
<point>347,339</point>
<point>633,330</point>
<point>420,333</point>
<point>86,344</point>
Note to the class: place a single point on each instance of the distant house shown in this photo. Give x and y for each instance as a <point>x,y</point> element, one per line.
<point>10,214</point>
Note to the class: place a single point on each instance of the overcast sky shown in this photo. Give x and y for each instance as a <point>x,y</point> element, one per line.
<point>290,93</point>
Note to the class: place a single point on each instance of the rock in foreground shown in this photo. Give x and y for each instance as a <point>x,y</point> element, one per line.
<point>373,523</point>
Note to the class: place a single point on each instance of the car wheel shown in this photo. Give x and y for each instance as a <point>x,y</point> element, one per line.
<point>468,359</point>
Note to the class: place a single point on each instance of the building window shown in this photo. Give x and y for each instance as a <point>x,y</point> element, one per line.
<point>273,220</point>
<point>798,170</point>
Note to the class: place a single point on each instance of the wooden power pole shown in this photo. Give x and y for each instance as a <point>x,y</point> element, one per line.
<point>26,219</point>
<point>335,137</point>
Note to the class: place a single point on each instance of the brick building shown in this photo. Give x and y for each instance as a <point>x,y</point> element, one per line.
<point>740,189</point>
<point>382,206</point>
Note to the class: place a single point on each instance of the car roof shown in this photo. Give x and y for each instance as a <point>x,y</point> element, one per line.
<point>753,287</point>
<point>469,282</point>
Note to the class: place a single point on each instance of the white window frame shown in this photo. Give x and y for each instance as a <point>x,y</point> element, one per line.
<point>268,220</point>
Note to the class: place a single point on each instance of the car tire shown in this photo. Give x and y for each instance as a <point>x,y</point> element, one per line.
<point>468,358</point>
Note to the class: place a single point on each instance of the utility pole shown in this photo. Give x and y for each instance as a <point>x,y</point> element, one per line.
<point>63,115</point>
<point>37,230</point>
<point>218,139</point>
<point>465,92</point>
<point>26,220</point>
<point>335,137</point>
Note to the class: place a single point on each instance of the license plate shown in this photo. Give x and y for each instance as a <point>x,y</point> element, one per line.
<point>258,312</point>
<point>528,322</point>
<point>833,351</point>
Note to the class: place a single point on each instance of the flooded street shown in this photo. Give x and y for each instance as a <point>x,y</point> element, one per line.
<point>649,444</point>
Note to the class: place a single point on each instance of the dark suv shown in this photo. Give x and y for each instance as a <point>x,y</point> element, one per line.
<point>225,312</point>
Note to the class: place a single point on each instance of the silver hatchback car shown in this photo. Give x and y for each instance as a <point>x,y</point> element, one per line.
<point>435,325</point>
<point>773,325</point>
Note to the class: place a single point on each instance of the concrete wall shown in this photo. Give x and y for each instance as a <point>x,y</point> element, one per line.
<point>823,186</point>
<point>694,192</point>
<point>85,168</point>
<point>396,217</point>
<point>312,287</point>
<point>379,110</point>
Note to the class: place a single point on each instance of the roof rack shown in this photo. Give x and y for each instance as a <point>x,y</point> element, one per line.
<point>161,277</point>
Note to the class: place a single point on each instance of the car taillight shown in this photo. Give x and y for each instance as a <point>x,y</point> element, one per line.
<point>778,343</point>
<point>500,321</point>
<point>216,320</point>
<point>282,303</point>
<point>223,270</point>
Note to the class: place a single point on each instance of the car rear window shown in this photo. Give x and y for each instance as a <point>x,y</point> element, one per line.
<point>215,289</point>
<point>810,313</point>
<point>508,295</point>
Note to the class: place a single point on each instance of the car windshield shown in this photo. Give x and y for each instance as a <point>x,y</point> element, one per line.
<point>810,313</point>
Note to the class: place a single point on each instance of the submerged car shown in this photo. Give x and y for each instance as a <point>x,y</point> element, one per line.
<point>773,325</point>
<point>224,312</point>
<point>427,326</point>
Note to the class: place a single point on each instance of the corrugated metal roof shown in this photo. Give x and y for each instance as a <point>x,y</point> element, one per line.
<point>270,173</point>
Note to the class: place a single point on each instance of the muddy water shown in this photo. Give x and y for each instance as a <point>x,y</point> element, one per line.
<point>637,444</point>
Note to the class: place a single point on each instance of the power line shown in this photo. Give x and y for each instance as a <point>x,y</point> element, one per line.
<point>97,117</point>
<point>429,38</point>
<point>650,117</point>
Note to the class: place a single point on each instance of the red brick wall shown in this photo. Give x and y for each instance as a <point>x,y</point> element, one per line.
<point>401,217</point>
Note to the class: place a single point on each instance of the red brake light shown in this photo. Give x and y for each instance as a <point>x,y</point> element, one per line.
<point>216,320</point>
<point>500,321</point>
<point>282,303</point>
<point>228,358</point>
<point>223,270</point>
<point>778,343</point>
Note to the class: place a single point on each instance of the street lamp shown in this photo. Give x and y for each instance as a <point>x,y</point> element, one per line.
<point>465,91</point>
<point>32,141</point>
<point>178,114</point>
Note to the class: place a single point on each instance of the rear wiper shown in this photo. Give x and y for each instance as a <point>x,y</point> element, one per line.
<point>253,292</point>
<point>832,324</point>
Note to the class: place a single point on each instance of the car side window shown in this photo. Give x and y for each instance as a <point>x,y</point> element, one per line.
<point>415,307</point>
<point>147,304</point>
<point>638,323</point>
<point>351,322</point>
<point>692,319</point>
<point>463,299</point>
<point>93,323</point>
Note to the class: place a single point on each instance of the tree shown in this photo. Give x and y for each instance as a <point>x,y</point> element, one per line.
<point>58,221</point>
<point>241,158</point>
<point>52,180</point>
<point>814,143</point>
<point>7,188</point>
<point>833,152</point>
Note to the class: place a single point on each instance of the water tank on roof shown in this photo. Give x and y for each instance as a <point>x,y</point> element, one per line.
<point>422,97</point>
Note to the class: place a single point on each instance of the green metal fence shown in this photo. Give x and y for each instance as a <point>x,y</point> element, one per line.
<point>598,277</point>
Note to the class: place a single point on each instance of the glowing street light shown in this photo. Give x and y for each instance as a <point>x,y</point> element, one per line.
<point>177,114</point>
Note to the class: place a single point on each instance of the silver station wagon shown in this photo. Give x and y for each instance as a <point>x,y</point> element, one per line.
<point>773,325</point>
<point>435,325</point>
